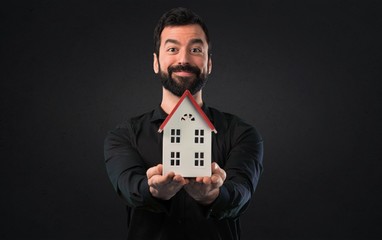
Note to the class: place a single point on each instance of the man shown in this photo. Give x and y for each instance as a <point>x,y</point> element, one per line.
<point>170,206</point>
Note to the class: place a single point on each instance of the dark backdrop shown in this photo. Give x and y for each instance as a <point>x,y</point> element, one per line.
<point>305,73</point>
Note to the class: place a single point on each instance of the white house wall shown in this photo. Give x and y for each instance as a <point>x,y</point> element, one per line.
<point>187,120</point>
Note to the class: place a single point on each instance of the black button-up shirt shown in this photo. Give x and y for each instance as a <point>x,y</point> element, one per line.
<point>135,145</point>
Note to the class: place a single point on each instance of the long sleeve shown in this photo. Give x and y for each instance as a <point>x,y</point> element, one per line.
<point>240,154</point>
<point>136,145</point>
<point>127,170</point>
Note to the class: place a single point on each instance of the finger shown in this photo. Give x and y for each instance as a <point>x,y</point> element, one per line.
<point>168,177</point>
<point>216,180</point>
<point>158,180</point>
<point>219,171</point>
<point>156,170</point>
<point>207,180</point>
<point>199,179</point>
<point>220,176</point>
<point>179,179</point>
<point>215,167</point>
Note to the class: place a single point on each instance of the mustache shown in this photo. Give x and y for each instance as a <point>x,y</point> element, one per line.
<point>185,68</point>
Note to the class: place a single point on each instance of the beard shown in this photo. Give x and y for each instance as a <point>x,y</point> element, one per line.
<point>179,85</point>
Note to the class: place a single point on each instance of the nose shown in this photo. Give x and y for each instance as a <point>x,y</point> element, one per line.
<point>183,57</point>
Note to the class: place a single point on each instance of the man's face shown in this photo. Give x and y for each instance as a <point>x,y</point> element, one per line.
<point>183,62</point>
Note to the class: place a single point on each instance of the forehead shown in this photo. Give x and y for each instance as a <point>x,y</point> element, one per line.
<point>183,34</point>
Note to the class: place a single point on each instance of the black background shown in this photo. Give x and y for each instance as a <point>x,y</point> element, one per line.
<point>305,73</point>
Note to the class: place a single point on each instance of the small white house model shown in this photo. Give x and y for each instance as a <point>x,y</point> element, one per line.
<point>187,140</point>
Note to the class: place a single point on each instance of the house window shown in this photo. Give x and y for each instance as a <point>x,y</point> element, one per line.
<point>175,159</point>
<point>175,135</point>
<point>199,136</point>
<point>187,117</point>
<point>199,159</point>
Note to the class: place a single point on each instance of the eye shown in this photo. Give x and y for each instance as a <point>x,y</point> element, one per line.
<point>171,50</point>
<point>196,50</point>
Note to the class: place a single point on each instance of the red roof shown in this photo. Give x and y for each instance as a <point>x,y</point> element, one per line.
<point>200,111</point>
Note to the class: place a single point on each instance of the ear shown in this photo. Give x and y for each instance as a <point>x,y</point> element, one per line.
<point>209,65</point>
<point>155,63</point>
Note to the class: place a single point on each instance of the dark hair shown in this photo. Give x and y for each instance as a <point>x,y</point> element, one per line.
<point>177,17</point>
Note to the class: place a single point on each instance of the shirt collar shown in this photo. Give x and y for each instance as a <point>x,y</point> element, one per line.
<point>158,114</point>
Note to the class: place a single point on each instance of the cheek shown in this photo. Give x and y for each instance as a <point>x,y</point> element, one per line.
<point>163,63</point>
<point>204,66</point>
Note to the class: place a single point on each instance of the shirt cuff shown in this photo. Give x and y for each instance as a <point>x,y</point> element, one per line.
<point>157,205</point>
<point>219,205</point>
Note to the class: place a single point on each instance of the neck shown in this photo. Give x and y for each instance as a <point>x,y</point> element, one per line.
<point>169,100</point>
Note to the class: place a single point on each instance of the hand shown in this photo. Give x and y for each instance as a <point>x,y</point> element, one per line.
<point>206,189</point>
<point>164,187</point>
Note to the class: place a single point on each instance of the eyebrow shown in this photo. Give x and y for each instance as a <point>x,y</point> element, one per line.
<point>193,41</point>
<point>196,40</point>
<point>171,41</point>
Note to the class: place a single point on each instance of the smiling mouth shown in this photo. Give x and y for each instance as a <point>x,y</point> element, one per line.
<point>183,73</point>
